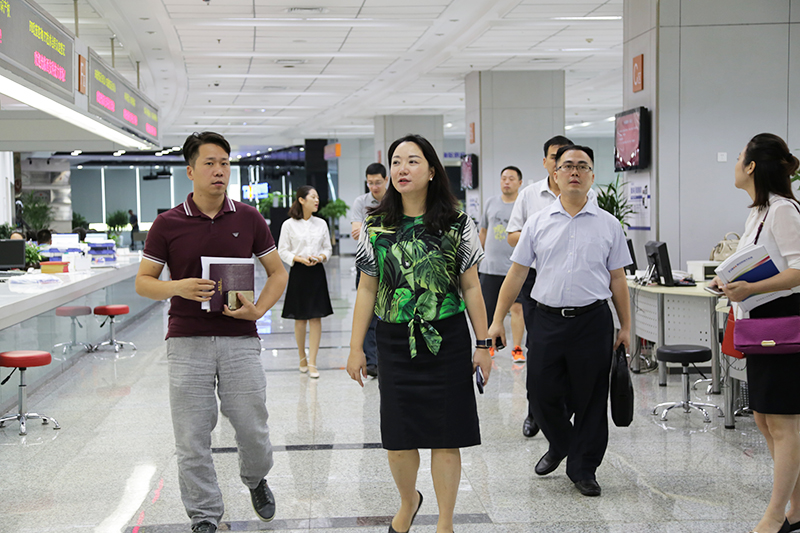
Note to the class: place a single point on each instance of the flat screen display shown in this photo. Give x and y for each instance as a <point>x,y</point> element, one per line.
<point>33,43</point>
<point>113,98</point>
<point>469,171</point>
<point>658,260</point>
<point>12,254</point>
<point>632,140</point>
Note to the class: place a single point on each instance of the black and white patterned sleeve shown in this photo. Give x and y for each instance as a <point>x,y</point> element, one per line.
<point>470,251</point>
<point>366,261</point>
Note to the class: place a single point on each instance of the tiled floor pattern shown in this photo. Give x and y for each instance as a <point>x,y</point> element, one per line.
<point>112,467</point>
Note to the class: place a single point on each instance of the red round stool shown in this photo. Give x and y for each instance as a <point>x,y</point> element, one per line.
<point>22,360</point>
<point>73,312</point>
<point>113,311</point>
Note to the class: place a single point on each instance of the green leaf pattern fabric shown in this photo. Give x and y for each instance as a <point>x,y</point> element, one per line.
<point>418,272</point>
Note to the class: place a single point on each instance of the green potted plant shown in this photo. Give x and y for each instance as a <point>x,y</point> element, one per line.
<point>79,221</point>
<point>265,205</point>
<point>115,221</point>
<point>5,231</point>
<point>332,211</point>
<point>612,198</point>
<point>32,255</point>
<point>36,211</point>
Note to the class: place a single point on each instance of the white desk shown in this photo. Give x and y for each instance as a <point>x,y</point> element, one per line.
<point>678,315</point>
<point>16,307</point>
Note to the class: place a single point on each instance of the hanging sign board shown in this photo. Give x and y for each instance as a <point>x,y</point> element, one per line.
<point>37,47</point>
<point>114,99</point>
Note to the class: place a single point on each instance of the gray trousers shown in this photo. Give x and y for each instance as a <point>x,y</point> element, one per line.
<point>200,368</point>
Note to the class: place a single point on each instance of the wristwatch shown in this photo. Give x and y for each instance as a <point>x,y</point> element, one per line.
<point>485,344</point>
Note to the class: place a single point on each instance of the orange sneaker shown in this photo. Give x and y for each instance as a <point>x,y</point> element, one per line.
<point>517,355</point>
<point>491,351</point>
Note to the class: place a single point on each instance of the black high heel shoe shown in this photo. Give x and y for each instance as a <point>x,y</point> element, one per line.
<point>393,530</point>
<point>792,527</point>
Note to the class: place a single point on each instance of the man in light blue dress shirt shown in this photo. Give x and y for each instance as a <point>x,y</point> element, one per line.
<point>580,253</point>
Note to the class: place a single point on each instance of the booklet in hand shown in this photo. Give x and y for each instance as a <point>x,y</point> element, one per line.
<point>232,275</point>
<point>750,264</point>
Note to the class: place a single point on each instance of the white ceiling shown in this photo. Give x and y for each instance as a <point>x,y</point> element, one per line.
<point>271,72</point>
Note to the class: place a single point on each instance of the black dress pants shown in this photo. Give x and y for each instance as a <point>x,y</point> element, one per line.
<point>528,305</point>
<point>569,360</point>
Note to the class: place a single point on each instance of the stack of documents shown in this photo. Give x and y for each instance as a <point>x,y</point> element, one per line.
<point>751,264</point>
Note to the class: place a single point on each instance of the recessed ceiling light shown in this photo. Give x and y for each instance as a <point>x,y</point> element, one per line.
<point>80,167</point>
<point>290,61</point>
<point>144,18</point>
<point>308,10</point>
<point>448,125</point>
<point>615,17</point>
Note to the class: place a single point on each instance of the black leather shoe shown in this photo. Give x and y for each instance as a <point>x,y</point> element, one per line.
<point>530,428</point>
<point>204,527</point>
<point>588,487</point>
<point>546,464</point>
<point>393,530</point>
<point>263,501</point>
<point>372,371</point>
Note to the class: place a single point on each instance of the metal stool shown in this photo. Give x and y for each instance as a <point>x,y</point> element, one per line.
<point>113,311</point>
<point>685,354</point>
<point>73,312</point>
<point>22,360</point>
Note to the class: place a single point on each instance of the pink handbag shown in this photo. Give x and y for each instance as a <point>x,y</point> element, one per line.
<point>767,335</point>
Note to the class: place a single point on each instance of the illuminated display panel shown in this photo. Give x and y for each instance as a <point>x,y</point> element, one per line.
<point>114,99</point>
<point>30,42</point>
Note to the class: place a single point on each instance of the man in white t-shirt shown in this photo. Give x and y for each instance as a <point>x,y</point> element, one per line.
<point>377,182</point>
<point>497,261</point>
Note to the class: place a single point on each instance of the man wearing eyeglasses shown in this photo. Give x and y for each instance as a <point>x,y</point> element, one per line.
<point>376,182</point>
<point>533,199</point>
<point>580,253</point>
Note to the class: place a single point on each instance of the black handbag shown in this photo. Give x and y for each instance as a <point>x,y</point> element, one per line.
<point>621,389</point>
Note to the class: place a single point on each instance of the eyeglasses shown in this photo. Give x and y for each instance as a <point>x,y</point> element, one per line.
<point>569,167</point>
<point>375,184</point>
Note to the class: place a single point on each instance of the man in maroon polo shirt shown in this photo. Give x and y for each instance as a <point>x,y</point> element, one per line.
<point>213,353</point>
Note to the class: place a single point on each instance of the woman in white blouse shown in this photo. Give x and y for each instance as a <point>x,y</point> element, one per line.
<point>305,245</point>
<point>764,170</point>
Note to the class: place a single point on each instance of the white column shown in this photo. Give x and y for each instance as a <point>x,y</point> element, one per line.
<point>389,128</point>
<point>6,187</point>
<point>509,117</point>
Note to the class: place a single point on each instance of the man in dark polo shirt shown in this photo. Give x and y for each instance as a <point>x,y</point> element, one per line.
<point>213,353</point>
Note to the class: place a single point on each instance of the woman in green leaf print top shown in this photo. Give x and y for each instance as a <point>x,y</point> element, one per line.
<point>419,256</point>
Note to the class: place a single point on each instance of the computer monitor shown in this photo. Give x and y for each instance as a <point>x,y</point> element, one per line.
<point>12,254</point>
<point>631,269</point>
<point>658,262</point>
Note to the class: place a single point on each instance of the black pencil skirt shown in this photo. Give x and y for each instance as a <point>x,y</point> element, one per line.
<point>427,401</point>
<point>307,293</point>
<point>772,378</point>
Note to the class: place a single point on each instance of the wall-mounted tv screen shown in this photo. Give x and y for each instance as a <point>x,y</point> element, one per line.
<point>469,171</point>
<point>632,140</point>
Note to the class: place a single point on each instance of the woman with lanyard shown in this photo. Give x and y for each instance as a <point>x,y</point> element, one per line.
<point>764,170</point>
<point>305,245</point>
<point>416,253</point>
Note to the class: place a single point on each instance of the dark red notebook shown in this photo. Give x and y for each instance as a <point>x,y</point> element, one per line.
<point>229,277</point>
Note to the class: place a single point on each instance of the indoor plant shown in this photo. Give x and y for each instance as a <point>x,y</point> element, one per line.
<point>115,221</point>
<point>36,211</point>
<point>612,198</point>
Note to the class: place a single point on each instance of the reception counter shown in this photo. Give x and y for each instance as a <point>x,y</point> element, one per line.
<point>28,318</point>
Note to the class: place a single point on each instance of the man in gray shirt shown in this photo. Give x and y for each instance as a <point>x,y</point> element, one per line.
<point>377,182</point>
<point>497,261</point>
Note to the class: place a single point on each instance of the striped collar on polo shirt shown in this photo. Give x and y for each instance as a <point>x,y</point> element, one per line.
<point>191,210</point>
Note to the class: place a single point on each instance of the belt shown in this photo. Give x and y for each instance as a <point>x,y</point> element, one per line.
<point>570,312</point>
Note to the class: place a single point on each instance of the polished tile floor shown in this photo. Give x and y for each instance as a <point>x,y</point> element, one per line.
<point>112,468</point>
